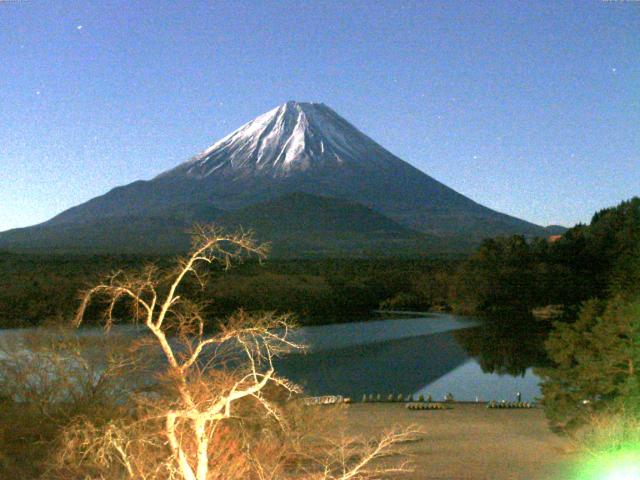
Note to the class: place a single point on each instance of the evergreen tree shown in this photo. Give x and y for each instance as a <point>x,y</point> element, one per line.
<point>596,363</point>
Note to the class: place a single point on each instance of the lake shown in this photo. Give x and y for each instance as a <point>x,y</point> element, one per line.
<point>432,355</point>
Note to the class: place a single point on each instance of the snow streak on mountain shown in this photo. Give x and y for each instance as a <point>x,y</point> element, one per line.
<point>294,137</point>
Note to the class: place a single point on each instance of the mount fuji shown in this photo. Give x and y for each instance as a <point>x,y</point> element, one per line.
<point>302,176</point>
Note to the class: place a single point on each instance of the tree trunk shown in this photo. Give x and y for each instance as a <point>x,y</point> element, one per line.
<point>178,453</point>
<point>203,447</point>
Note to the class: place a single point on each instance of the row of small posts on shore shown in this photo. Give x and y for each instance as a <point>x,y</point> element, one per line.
<point>448,398</point>
<point>503,404</point>
<point>370,398</point>
<point>326,400</point>
<point>419,403</point>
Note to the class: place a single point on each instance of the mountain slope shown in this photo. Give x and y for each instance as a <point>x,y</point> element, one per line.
<point>297,147</point>
<point>297,225</point>
<point>309,225</point>
<point>126,234</point>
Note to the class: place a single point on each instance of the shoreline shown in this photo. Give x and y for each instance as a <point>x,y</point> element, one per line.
<point>469,441</point>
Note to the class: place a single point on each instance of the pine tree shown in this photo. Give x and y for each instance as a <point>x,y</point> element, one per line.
<point>596,363</point>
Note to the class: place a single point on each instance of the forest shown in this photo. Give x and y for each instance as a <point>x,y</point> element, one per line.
<point>43,289</point>
<point>598,260</point>
<point>512,274</point>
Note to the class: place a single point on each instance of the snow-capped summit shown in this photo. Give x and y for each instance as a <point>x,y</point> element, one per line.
<point>293,137</point>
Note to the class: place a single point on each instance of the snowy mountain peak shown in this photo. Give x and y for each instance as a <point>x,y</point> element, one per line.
<point>299,154</point>
<point>294,137</point>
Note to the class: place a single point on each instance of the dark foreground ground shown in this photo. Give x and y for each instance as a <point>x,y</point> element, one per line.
<point>471,442</point>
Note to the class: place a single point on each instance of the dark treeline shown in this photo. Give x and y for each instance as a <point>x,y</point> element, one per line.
<point>36,289</point>
<point>589,261</point>
<point>504,274</point>
<point>507,274</point>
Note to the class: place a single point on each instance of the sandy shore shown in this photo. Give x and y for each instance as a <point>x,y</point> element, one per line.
<point>471,442</point>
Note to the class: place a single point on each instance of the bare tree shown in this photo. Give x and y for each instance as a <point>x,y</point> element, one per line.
<point>209,376</point>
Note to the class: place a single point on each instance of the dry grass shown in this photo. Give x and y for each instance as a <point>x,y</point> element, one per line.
<point>471,442</point>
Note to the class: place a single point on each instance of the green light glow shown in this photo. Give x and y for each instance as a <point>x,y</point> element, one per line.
<point>618,465</point>
<point>630,472</point>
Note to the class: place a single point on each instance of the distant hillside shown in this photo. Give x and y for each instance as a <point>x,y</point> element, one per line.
<point>311,225</point>
<point>135,235</point>
<point>297,225</point>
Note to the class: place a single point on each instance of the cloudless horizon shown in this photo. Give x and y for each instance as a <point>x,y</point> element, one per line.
<point>532,109</point>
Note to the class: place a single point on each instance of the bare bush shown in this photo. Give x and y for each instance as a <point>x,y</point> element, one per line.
<point>56,370</point>
<point>608,431</point>
<point>48,378</point>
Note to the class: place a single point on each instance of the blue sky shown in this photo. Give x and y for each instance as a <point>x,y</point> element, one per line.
<point>530,108</point>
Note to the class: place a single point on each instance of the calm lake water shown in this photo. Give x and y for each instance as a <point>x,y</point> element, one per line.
<point>432,355</point>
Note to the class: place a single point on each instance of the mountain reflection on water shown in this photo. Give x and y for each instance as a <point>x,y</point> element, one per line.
<point>435,355</point>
